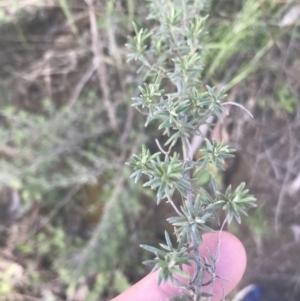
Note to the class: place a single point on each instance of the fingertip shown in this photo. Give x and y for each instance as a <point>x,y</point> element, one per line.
<point>231,265</point>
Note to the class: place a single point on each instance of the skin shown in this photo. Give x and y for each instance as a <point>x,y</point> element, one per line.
<point>230,267</point>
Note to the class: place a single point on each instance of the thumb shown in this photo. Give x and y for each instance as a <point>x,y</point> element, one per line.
<point>230,267</point>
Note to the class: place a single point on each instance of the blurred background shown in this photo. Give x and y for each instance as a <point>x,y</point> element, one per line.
<point>71,220</point>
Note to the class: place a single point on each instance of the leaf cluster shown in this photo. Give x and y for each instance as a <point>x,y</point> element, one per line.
<point>169,261</point>
<point>235,202</point>
<point>216,154</point>
<point>165,176</point>
<point>192,221</point>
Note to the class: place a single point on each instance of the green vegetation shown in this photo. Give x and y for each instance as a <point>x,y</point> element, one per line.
<point>67,127</point>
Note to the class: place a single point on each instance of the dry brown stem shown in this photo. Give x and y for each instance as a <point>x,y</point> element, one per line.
<point>97,48</point>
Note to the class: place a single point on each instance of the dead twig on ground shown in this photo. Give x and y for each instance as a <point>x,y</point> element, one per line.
<point>81,84</point>
<point>283,190</point>
<point>97,48</point>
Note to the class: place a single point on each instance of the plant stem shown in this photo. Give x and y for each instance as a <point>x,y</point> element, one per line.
<point>175,208</point>
<point>187,158</point>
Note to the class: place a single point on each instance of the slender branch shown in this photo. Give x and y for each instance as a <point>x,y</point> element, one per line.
<point>81,84</point>
<point>161,149</point>
<point>198,140</point>
<point>190,200</point>
<point>175,208</point>
<point>100,66</point>
<point>237,105</point>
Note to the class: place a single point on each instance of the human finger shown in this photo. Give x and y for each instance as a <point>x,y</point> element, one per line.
<point>230,269</point>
